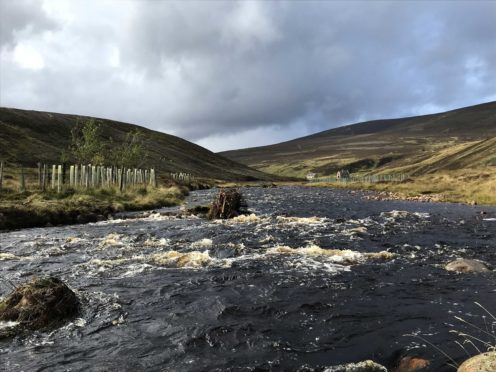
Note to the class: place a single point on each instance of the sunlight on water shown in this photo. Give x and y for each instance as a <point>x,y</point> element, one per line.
<point>8,256</point>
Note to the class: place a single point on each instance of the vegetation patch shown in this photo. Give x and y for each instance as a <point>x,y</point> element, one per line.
<point>37,209</point>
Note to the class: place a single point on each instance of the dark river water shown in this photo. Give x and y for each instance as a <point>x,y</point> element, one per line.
<point>297,285</point>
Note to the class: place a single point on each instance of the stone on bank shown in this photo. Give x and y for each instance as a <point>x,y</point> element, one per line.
<point>485,362</point>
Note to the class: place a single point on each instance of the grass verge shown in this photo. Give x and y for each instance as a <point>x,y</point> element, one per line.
<point>475,186</point>
<point>36,209</point>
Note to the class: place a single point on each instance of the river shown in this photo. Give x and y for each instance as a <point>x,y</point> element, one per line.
<point>310,279</point>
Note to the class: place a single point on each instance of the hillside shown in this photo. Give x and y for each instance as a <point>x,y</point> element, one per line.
<point>414,145</point>
<point>27,137</point>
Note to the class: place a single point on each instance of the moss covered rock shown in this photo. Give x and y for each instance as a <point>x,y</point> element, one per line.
<point>39,304</point>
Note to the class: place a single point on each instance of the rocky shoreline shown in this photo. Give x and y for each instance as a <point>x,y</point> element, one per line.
<point>391,196</point>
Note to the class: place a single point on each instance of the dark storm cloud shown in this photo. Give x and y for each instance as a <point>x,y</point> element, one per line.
<point>323,63</point>
<point>268,70</point>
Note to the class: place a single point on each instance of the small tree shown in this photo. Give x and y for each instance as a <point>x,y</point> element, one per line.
<point>87,146</point>
<point>131,153</point>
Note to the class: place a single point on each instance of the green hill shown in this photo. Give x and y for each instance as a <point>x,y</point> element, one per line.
<point>416,145</point>
<point>27,137</point>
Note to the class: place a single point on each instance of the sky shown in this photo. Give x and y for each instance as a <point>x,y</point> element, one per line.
<point>236,74</point>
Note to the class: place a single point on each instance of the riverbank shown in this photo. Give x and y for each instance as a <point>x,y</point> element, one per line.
<point>465,186</point>
<point>37,209</point>
<point>462,186</point>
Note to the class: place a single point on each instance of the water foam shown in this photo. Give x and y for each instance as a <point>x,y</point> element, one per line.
<point>112,239</point>
<point>342,256</point>
<point>152,242</point>
<point>202,243</point>
<point>301,220</point>
<point>8,256</point>
<point>194,259</point>
<point>345,256</point>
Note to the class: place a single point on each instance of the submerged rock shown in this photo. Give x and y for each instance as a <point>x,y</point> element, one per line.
<point>39,304</point>
<point>227,204</point>
<point>198,210</point>
<point>366,366</point>
<point>412,364</point>
<point>485,362</point>
<point>464,265</point>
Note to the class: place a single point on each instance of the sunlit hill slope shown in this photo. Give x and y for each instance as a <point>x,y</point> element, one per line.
<point>414,145</point>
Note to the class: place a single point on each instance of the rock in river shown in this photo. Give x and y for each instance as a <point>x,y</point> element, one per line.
<point>412,364</point>
<point>39,304</point>
<point>464,265</point>
<point>366,366</point>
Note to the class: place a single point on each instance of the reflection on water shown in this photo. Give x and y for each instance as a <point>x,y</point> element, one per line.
<point>311,278</point>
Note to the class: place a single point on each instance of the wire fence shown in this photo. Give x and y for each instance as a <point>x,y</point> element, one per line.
<point>398,177</point>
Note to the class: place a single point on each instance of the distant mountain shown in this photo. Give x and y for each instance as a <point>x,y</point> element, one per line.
<point>27,137</point>
<point>416,145</point>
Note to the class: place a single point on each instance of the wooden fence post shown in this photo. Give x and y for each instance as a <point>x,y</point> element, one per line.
<point>53,175</point>
<point>153,179</point>
<point>59,179</point>
<point>83,175</point>
<point>121,179</point>
<point>93,176</point>
<point>71,176</point>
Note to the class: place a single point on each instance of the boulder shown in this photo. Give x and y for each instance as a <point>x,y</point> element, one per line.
<point>465,265</point>
<point>39,304</point>
<point>485,362</point>
<point>366,366</point>
<point>412,364</point>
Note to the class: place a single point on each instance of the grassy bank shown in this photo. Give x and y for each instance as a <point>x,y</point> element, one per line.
<point>36,209</point>
<point>461,186</point>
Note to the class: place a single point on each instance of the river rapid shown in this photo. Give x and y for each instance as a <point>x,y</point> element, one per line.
<point>311,278</point>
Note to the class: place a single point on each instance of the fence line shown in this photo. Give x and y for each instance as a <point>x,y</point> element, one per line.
<point>367,179</point>
<point>96,176</point>
<point>87,176</point>
<point>181,177</point>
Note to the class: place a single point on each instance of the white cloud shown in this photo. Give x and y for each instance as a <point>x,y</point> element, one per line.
<point>28,57</point>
